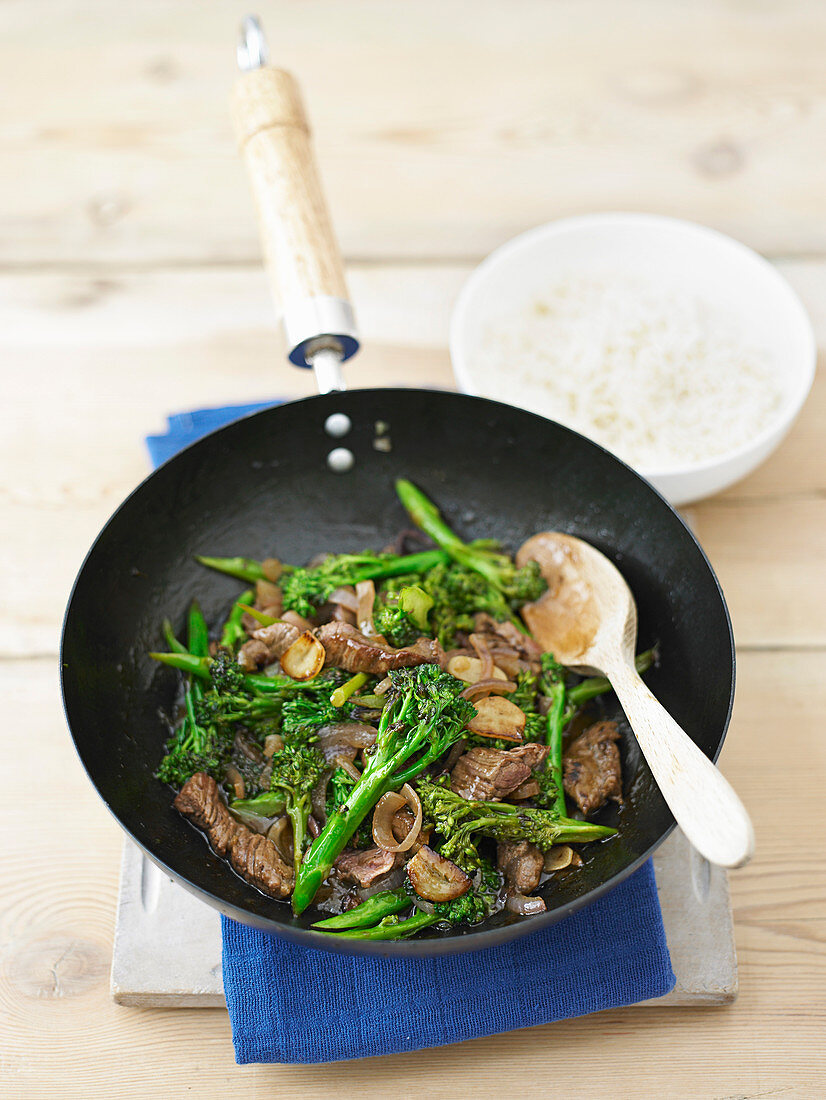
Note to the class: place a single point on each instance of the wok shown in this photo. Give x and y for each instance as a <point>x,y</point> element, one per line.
<point>262,486</point>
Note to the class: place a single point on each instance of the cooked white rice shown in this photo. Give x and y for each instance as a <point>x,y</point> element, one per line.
<point>656,375</point>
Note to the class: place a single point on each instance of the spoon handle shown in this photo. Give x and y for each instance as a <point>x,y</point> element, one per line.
<point>703,802</point>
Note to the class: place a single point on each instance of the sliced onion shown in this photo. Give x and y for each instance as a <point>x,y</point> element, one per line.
<point>256,822</point>
<point>488,687</point>
<point>382,686</point>
<point>345,597</point>
<point>281,834</point>
<point>237,780</point>
<point>272,569</point>
<point>336,739</point>
<point>366,597</point>
<point>480,646</point>
<point>524,905</point>
<point>391,881</point>
<point>383,820</point>
<point>294,619</point>
<point>273,743</point>
<point>425,906</point>
<point>268,594</point>
<point>318,798</point>
<point>349,767</point>
<point>383,816</point>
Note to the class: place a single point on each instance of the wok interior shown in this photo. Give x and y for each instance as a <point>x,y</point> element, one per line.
<point>262,487</point>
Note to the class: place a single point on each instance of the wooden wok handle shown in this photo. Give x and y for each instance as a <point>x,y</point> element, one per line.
<point>705,805</point>
<point>302,257</point>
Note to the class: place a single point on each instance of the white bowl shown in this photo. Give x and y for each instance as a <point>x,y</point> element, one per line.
<point>692,258</point>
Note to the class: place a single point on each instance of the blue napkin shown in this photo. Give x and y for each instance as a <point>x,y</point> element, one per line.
<point>290,1004</point>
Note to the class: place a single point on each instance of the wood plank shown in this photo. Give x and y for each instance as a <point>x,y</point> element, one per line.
<point>60,1032</point>
<point>768,555</point>
<point>440,132</point>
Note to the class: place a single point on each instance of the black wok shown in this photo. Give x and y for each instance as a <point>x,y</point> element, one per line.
<point>261,486</point>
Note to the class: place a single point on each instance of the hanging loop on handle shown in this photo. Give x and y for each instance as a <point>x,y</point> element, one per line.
<point>302,257</point>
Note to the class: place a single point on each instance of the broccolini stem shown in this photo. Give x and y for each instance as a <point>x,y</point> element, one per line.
<point>265,805</point>
<point>376,779</point>
<point>340,696</point>
<point>171,640</point>
<point>399,566</point>
<point>332,839</point>
<point>426,515</point>
<point>245,569</point>
<point>369,702</point>
<point>367,914</point>
<point>259,616</point>
<point>253,681</point>
<point>598,685</point>
<point>396,930</point>
<point>197,632</point>
<point>556,723</point>
<point>233,632</point>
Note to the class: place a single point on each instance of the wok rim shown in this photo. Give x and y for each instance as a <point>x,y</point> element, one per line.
<point>447,944</point>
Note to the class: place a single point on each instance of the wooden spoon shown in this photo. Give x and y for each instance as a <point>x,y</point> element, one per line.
<point>588,620</point>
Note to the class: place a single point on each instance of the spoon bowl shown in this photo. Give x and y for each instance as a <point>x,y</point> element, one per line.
<point>588,619</point>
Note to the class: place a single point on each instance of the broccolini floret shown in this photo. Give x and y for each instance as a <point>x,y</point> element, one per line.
<point>461,821</point>
<point>305,590</point>
<point>295,772</point>
<point>506,587</point>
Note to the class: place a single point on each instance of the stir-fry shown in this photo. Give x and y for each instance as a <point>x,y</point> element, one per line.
<point>379,736</point>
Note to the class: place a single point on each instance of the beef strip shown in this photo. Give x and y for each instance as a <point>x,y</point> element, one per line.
<point>266,645</point>
<point>365,867</point>
<point>256,859</point>
<point>347,648</point>
<point>532,754</point>
<point>200,800</point>
<point>521,863</point>
<point>487,774</point>
<point>591,771</point>
<point>508,633</point>
<point>251,855</point>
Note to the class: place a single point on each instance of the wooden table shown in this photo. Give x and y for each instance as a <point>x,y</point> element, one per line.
<point>130,286</point>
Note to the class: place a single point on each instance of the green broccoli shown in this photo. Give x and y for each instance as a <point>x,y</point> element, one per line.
<point>198,744</point>
<point>461,820</point>
<point>195,747</point>
<point>395,625</point>
<point>305,713</point>
<point>506,587</point>
<point>424,715</point>
<point>305,590</point>
<point>400,612</point>
<point>295,771</point>
<point>478,903</point>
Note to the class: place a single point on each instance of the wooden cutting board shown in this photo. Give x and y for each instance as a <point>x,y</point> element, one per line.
<point>167,951</point>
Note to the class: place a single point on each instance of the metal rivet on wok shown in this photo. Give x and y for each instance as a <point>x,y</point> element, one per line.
<point>340,460</point>
<point>337,425</point>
